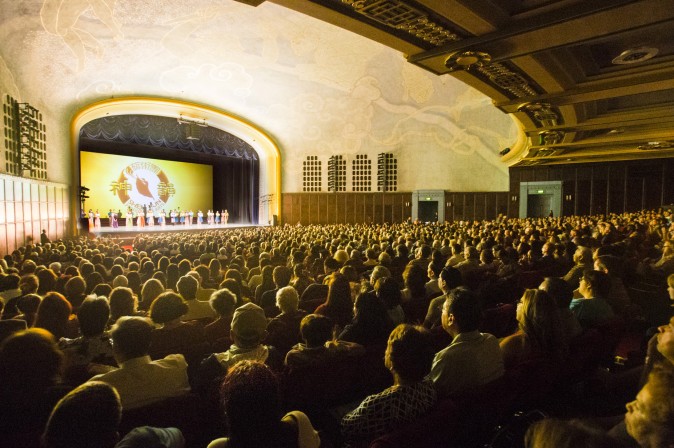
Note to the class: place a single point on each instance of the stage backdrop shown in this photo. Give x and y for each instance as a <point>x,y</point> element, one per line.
<point>119,182</point>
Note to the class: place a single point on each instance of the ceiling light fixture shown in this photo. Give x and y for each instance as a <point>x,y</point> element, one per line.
<point>635,55</point>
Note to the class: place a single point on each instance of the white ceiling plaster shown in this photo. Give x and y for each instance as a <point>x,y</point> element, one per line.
<point>315,88</point>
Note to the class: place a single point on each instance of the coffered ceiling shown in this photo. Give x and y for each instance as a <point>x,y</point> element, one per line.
<point>589,80</point>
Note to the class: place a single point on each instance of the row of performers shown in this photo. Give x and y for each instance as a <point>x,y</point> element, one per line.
<point>148,218</point>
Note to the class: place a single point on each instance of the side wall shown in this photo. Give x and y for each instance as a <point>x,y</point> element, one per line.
<point>598,188</point>
<point>28,206</point>
<point>379,208</point>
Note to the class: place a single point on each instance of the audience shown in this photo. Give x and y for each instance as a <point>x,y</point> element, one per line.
<point>513,254</point>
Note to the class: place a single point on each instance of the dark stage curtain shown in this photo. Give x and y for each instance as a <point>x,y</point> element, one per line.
<point>235,188</point>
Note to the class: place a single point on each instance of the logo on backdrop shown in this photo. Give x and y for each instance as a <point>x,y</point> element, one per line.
<point>143,184</point>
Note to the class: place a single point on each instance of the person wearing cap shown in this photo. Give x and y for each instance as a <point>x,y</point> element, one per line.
<point>248,330</point>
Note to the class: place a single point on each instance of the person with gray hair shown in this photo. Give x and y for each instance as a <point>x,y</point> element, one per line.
<point>283,331</point>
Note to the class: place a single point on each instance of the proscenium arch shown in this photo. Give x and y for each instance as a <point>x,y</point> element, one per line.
<point>267,150</point>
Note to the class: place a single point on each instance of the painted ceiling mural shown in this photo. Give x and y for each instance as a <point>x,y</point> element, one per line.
<point>315,88</point>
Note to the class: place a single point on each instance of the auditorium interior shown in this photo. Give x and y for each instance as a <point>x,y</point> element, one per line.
<point>328,112</point>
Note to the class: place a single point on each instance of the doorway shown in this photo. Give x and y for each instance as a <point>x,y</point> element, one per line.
<point>428,211</point>
<point>539,205</point>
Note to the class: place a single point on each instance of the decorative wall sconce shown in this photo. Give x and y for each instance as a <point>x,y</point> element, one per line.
<point>407,204</point>
<point>513,198</point>
<point>568,197</point>
<point>449,204</point>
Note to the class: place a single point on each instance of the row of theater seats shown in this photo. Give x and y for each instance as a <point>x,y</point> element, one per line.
<point>461,421</point>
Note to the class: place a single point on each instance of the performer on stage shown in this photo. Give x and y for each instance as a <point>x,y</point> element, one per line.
<point>225,217</point>
<point>190,217</point>
<point>97,220</point>
<point>172,214</point>
<point>91,220</point>
<point>209,217</point>
<point>200,217</point>
<point>113,219</point>
<point>150,218</point>
<point>129,218</point>
<point>140,222</point>
<point>217,217</point>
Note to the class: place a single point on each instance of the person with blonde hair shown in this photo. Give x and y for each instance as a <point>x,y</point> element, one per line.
<point>556,433</point>
<point>650,417</point>
<point>540,333</point>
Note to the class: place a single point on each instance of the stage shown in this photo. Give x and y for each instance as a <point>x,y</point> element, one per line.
<point>127,234</point>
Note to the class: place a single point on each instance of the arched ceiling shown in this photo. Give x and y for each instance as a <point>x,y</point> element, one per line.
<point>312,87</point>
<point>575,73</point>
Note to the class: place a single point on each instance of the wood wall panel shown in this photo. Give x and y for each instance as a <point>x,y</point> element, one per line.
<point>614,187</point>
<point>325,208</point>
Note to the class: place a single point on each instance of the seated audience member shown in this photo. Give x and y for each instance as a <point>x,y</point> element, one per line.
<point>196,309</point>
<point>582,258</point>
<point>27,306</point>
<point>338,307</point>
<point>283,331</point>
<point>409,356</point>
<point>549,433</point>
<point>53,314</point>
<point>388,292</point>
<point>561,292</point>
<point>30,381</point>
<point>650,417</point>
<point>28,284</point>
<point>592,309</point>
<point>139,380</point>
<point>318,346</point>
<point>9,293</point>
<point>10,326</point>
<point>95,345</point>
<point>449,279</point>
<point>88,417</point>
<point>281,276</point>
<point>301,279</point>
<point>414,278</point>
<point>433,273</point>
<point>473,358</point>
<point>172,334</point>
<point>249,328</point>
<point>122,303</point>
<point>74,291</point>
<point>223,302</point>
<point>150,437</point>
<point>252,405</point>
<point>149,292</point>
<point>540,331</point>
<point>371,324</point>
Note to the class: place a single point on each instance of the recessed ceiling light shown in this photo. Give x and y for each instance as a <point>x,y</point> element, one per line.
<point>635,55</point>
<point>616,131</point>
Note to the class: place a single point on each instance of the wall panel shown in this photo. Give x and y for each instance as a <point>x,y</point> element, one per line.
<point>613,187</point>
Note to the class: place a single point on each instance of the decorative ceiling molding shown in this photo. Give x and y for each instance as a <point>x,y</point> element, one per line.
<point>166,132</point>
<point>399,15</point>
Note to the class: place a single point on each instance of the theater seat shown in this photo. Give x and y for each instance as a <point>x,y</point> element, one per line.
<point>434,429</point>
<point>199,421</point>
